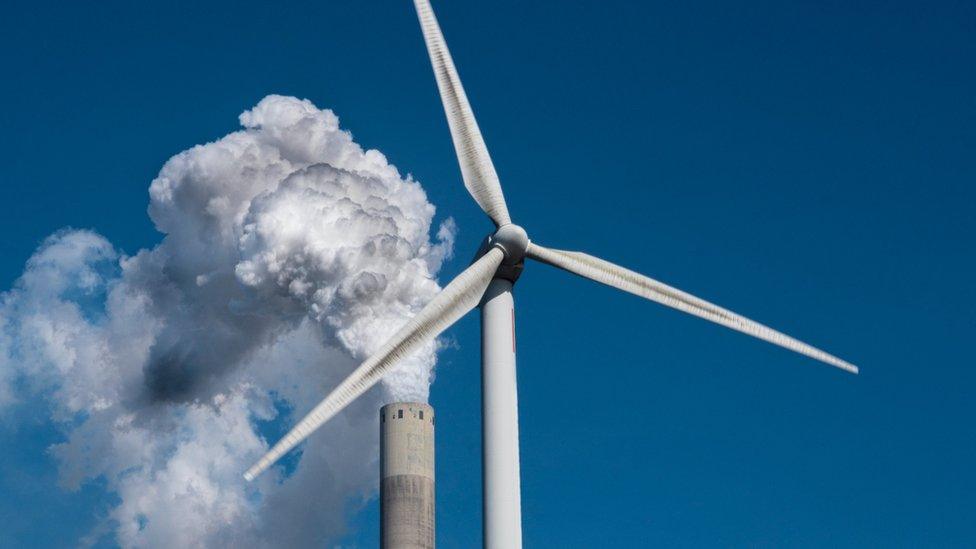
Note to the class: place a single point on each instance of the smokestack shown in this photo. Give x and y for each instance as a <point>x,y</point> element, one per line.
<point>407,476</point>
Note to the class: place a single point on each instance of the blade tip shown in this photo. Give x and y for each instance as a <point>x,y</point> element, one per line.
<point>847,367</point>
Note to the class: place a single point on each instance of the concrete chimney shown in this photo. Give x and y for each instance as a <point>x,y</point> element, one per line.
<point>407,476</point>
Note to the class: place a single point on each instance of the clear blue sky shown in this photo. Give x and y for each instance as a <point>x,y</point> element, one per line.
<point>809,164</point>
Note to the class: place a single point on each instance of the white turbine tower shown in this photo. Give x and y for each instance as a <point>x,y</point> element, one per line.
<point>488,282</point>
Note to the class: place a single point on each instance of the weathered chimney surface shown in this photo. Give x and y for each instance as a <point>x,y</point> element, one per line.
<point>407,476</point>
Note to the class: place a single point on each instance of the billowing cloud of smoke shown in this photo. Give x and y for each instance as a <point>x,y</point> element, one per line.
<point>290,254</point>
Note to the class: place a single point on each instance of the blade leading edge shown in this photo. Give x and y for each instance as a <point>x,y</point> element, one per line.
<point>618,277</point>
<point>476,166</point>
<point>453,302</point>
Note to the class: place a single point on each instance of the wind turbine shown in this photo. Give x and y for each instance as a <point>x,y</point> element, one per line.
<point>488,281</point>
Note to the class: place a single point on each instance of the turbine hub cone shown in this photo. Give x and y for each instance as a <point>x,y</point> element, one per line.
<point>512,240</point>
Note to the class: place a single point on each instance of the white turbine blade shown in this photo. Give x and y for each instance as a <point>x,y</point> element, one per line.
<point>476,167</point>
<point>453,302</point>
<point>607,273</point>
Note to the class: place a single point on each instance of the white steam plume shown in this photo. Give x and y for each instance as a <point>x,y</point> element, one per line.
<point>290,254</point>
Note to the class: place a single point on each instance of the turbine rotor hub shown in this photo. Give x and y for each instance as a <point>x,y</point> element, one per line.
<point>512,240</point>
